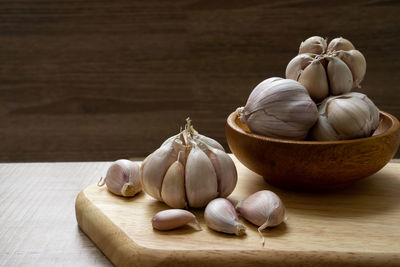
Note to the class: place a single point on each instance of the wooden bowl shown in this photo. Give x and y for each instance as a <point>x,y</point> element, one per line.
<point>313,165</point>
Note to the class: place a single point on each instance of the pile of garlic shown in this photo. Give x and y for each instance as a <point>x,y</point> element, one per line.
<point>315,101</point>
<point>189,169</point>
<point>325,70</point>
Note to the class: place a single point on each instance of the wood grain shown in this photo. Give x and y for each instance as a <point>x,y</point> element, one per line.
<point>355,226</point>
<point>37,216</point>
<point>101,80</point>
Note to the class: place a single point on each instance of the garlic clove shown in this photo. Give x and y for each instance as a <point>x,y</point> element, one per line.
<point>314,44</point>
<point>348,116</point>
<point>314,79</point>
<point>297,65</point>
<point>154,168</point>
<point>174,218</point>
<point>209,141</point>
<point>357,64</point>
<point>200,179</point>
<point>263,208</point>
<point>340,43</point>
<point>220,215</point>
<point>173,186</point>
<point>339,75</point>
<point>122,178</point>
<point>280,108</point>
<point>225,170</point>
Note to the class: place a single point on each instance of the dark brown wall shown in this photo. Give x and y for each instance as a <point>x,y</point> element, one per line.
<point>101,80</point>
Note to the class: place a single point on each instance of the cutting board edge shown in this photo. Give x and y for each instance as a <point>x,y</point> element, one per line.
<point>107,237</point>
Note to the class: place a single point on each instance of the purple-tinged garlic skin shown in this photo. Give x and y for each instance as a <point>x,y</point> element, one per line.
<point>220,215</point>
<point>122,178</point>
<point>263,208</point>
<point>174,218</point>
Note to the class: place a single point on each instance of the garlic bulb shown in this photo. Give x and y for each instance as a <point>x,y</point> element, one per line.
<point>347,116</point>
<point>174,218</point>
<point>279,108</point>
<point>263,208</point>
<point>327,70</point>
<point>220,215</point>
<point>122,178</point>
<point>188,169</point>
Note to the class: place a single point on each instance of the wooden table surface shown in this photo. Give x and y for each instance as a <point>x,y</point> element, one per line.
<point>37,216</point>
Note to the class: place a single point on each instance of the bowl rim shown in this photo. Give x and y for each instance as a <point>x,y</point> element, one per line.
<point>394,127</point>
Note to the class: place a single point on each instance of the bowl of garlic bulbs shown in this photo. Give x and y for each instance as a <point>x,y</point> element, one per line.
<point>310,131</point>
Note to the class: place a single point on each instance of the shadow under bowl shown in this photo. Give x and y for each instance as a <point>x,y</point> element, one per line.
<point>313,165</point>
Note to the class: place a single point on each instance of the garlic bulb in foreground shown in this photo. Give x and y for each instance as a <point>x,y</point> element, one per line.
<point>347,116</point>
<point>338,65</point>
<point>188,169</point>
<point>279,108</point>
<point>263,208</point>
<point>122,178</point>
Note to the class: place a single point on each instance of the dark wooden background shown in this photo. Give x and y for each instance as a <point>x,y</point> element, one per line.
<point>100,80</point>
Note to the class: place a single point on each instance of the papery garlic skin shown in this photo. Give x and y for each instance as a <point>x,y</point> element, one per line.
<point>220,215</point>
<point>357,64</point>
<point>122,178</point>
<point>174,218</point>
<point>200,179</point>
<point>173,186</point>
<point>188,170</point>
<point>348,116</point>
<point>340,77</point>
<point>155,166</point>
<point>345,68</point>
<point>314,44</point>
<point>263,208</point>
<point>280,108</point>
<point>340,43</point>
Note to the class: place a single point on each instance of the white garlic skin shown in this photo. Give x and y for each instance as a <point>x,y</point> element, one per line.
<point>280,108</point>
<point>314,44</point>
<point>220,215</point>
<point>344,71</point>
<point>122,178</point>
<point>188,170</point>
<point>200,179</point>
<point>174,218</point>
<point>348,116</point>
<point>263,208</point>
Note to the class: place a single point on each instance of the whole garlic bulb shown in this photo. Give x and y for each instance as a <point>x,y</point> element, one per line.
<point>279,108</point>
<point>188,169</point>
<point>325,70</point>
<point>348,116</point>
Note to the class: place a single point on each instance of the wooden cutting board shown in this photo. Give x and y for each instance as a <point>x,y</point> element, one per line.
<point>355,226</point>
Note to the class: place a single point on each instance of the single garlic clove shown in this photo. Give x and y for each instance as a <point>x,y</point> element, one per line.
<point>174,218</point>
<point>280,108</point>
<point>314,44</point>
<point>209,141</point>
<point>296,66</point>
<point>356,63</point>
<point>225,169</point>
<point>122,178</point>
<point>200,179</point>
<point>263,208</point>
<point>220,215</point>
<point>348,116</point>
<point>340,43</point>
<point>173,186</point>
<point>155,166</point>
<point>340,77</point>
<point>314,79</point>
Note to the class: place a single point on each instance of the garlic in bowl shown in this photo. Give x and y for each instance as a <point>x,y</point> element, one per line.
<point>313,165</point>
